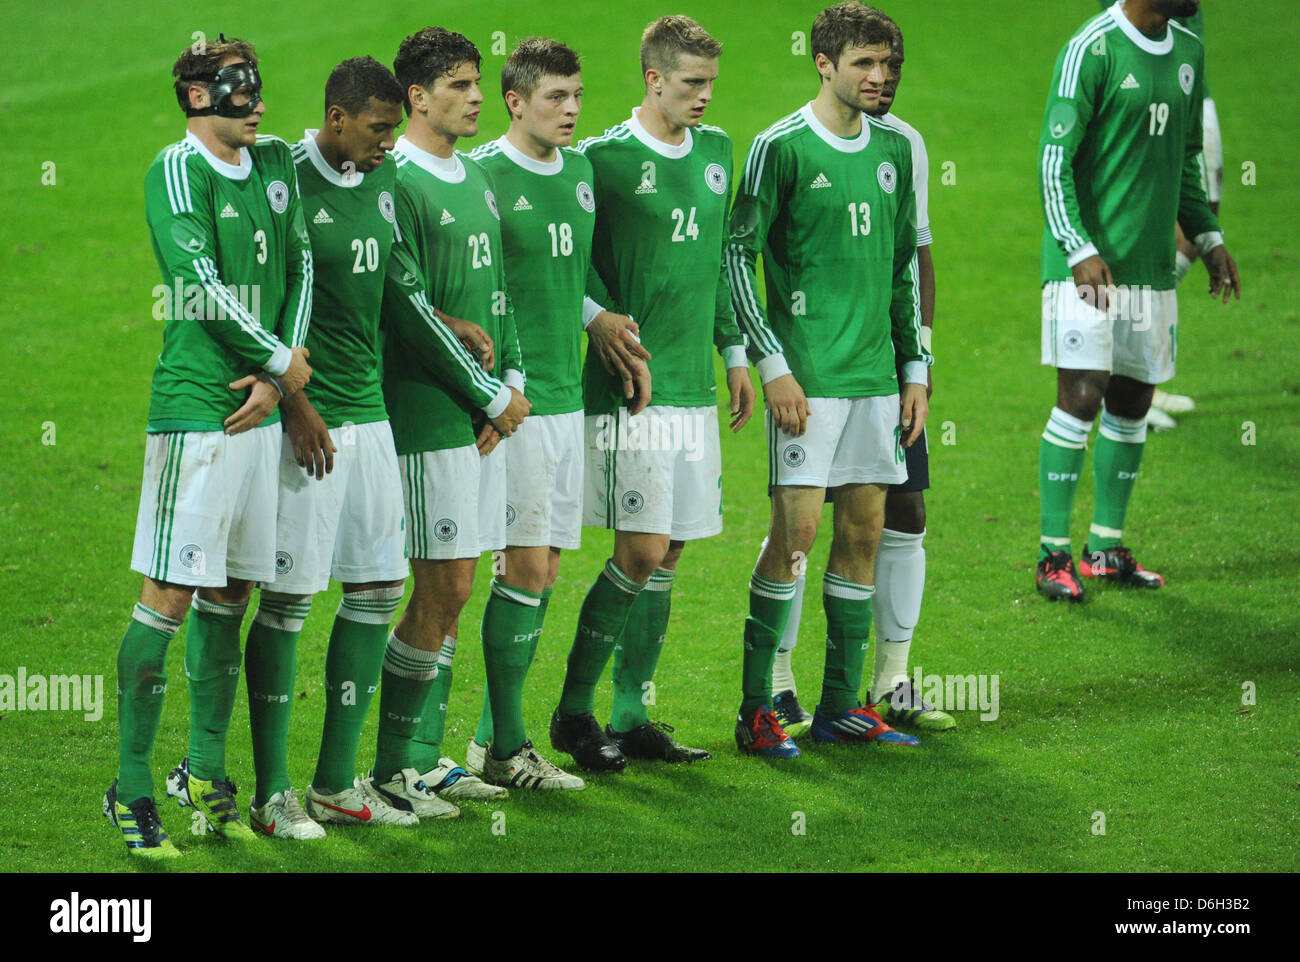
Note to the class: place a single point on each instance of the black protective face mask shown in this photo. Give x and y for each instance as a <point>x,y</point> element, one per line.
<point>222,87</point>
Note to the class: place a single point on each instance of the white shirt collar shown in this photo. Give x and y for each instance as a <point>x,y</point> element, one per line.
<point>238,171</point>
<point>322,166</point>
<point>846,145</point>
<point>654,143</point>
<point>544,167</point>
<point>448,169</point>
<point>1163,45</point>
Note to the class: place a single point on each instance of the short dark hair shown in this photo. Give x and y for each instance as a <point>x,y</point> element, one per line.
<point>353,82</point>
<point>199,66</point>
<point>853,24</point>
<point>428,54</point>
<point>665,40</point>
<point>533,59</point>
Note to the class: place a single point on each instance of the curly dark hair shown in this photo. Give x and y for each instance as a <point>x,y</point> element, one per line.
<point>428,54</point>
<point>353,82</point>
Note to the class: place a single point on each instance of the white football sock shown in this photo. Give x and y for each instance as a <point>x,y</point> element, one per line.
<point>782,670</point>
<point>900,584</point>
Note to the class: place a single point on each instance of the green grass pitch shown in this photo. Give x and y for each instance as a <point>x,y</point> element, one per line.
<point>1175,714</point>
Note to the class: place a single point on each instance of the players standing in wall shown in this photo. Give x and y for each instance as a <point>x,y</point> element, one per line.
<point>224,216</point>
<point>446,256</point>
<point>1119,165</point>
<point>340,504</point>
<point>547,207</point>
<point>827,196</point>
<point>900,557</point>
<point>1163,403</point>
<point>662,180</point>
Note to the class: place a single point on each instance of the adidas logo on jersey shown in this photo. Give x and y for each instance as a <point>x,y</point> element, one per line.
<point>820,181</point>
<point>446,218</point>
<point>1130,83</point>
<point>522,203</point>
<point>229,211</point>
<point>322,217</point>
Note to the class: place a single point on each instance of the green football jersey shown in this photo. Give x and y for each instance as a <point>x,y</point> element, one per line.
<point>350,220</point>
<point>547,216</point>
<point>657,255</point>
<point>1119,156</point>
<point>835,219</point>
<point>237,269</point>
<point>1195,23</point>
<point>446,255</point>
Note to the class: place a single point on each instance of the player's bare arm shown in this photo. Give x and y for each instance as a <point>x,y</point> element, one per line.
<point>263,396</point>
<point>615,339</point>
<point>742,396</point>
<point>925,283</point>
<point>508,421</point>
<point>308,435</point>
<point>789,406</point>
<point>1093,281</point>
<point>298,374</point>
<point>475,340</point>
<point>1223,273</point>
<point>915,410</point>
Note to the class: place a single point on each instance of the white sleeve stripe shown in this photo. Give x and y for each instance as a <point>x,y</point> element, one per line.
<point>745,300</point>
<point>302,317</point>
<point>186,199</point>
<point>758,149</point>
<point>443,333</point>
<point>167,178</point>
<point>1058,218</point>
<point>177,178</point>
<point>757,159</point>
<point>1075,50</point>
<point>207,272</point>
<point>1065,231</point>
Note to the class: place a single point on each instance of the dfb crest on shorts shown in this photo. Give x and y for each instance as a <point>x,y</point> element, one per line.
<point>492,203</point>
<point>510,514</point>
<point>715,175</point>
<point>444,529</point>
<point>191,556</point>
<point>1186,76</point>
<point>1073,340</point>
<point>633,502</point>
<point>386,206</point>
<point>585,197</point>
<point>793,455</point>
<point>277,192</point>
<point>887,176</point>
<point>283,563</point>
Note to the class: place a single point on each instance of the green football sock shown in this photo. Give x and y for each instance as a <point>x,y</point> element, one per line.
<point>408,674</point>
<point>600,623</point>
<point>848,636</point>
<point>426,743</point>
<point>141,685</point>
<point>352,665</point>
<point>212,658</point>
<point>509,620</point>
<point>637,654</point>
<point>270,664</point>
<point>1115,462</point>
<point>769,609</point>
<point>483,734</point>
<point>1060,459</point>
